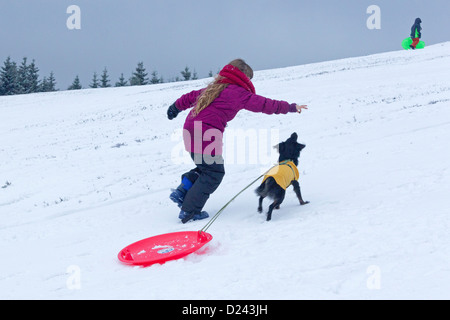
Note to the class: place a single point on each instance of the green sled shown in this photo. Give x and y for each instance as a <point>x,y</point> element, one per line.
<point>408,41</point>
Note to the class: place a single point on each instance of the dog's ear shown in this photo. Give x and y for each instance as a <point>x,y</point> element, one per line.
<point>299,147</point>
<point>294,136</point>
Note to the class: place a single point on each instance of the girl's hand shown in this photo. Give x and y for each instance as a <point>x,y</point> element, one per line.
<point>172,112</point>
<point>301,107</point>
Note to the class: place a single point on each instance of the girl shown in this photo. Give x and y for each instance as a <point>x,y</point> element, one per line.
<point>212,107</point>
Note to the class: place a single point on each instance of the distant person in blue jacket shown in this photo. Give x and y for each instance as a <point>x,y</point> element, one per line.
<point>416,33</point>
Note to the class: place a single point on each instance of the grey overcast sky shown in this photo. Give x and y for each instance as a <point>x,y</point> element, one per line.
<point>168,35</point>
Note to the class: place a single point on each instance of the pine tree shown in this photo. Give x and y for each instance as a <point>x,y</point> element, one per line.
<point>51,82</point>
<point>139,77</point>
<point>194,75</point>
<point>33,77</point>
<point>95,83</point>
<point>76,85</point>
<point>8,78</point>
<point>122,82</point>
<point>186,74</point>
<point>44,85</point>
<point>23,85</point>
<point>48,84</point>
<point>155,79</point>
<point>27,77</point>
<point>105,81</point>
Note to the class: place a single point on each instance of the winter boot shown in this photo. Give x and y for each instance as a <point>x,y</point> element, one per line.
<point>185,216</point>
<point>179,193</point>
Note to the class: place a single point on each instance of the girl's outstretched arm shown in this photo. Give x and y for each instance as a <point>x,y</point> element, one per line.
<point>188,100</point>
<point>257,103</point>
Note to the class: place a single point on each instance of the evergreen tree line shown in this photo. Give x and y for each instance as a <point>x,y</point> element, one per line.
<point>139,77</point>
<point>24,78</point>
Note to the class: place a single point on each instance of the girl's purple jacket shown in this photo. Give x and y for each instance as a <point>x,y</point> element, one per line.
<point>203,133</point>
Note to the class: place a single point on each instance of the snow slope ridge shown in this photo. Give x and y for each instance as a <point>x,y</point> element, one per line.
<point>85,173</point>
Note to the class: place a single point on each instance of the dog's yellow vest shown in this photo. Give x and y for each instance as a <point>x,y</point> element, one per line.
<point>284,174</point>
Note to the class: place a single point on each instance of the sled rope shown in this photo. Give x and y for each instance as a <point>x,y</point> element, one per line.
<point>210,222</point>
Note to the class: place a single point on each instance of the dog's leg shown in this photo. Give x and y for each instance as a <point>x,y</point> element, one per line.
<point>297,191</point>
<point>260,204</point>
<point>276,203</point>
<point>269,213</point>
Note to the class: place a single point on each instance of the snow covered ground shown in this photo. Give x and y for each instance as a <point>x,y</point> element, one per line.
<point>85,173</point>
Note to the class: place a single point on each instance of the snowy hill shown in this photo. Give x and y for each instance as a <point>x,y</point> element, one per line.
<point>85,173</point>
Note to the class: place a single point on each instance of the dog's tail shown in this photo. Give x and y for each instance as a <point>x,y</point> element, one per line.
<point>264,189</point>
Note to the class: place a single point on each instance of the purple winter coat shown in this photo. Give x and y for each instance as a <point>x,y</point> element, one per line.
<point>203,133</point>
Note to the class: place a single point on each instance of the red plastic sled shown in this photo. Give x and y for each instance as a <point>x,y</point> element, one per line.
<point>163,248</point>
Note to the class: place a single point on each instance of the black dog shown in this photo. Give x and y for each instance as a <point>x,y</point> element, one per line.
<point>280,177</point>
